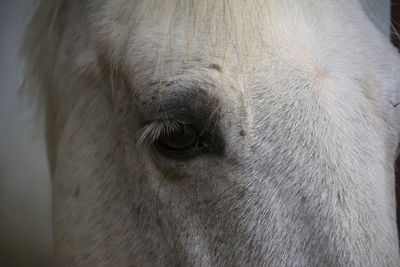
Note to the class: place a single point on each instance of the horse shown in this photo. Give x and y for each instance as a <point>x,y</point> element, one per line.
<point>218,133</point>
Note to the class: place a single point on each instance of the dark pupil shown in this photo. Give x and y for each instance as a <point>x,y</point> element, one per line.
<point>183,137</point>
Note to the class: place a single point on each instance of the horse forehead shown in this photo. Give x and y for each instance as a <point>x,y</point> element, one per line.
<point>309,38</point>
<point>281,28</point>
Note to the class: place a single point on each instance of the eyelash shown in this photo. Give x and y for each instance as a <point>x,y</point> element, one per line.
<point>151,132</point>
<point>179,140</point>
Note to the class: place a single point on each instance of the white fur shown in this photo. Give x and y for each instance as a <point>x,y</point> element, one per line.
<point>306,93</point>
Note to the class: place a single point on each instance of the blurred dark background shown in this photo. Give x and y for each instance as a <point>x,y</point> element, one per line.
<point>25,225</point>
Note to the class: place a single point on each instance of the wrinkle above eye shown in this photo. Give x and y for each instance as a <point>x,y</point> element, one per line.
<point>185,105</point>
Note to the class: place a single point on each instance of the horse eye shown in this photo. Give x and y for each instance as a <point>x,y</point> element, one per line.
<point>183,139</point>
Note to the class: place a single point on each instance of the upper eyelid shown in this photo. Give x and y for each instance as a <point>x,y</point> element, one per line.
<point>183,104</point>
